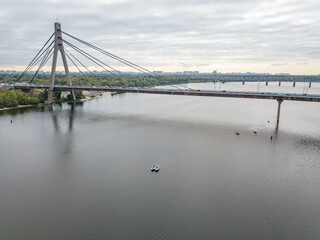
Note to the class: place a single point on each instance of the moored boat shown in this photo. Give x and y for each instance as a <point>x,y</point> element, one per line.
<point>157,168</point>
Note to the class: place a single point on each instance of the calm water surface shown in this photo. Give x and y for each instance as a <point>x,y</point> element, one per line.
<point>83,172</point>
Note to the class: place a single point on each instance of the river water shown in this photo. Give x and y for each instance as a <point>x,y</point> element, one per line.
<point>83,172</point>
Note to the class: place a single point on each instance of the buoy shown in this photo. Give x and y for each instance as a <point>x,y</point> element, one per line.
<point>271,138</point>
<point>268,121</point>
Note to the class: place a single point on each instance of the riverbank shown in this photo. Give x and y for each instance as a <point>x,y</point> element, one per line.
<point>93,95</point>
<point>88,96</point>
<point>19,106</point>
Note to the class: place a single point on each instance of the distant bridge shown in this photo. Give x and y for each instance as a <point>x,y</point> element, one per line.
<point>293,79</point>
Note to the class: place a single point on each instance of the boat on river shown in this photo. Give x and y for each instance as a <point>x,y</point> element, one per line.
<point>155,168</point>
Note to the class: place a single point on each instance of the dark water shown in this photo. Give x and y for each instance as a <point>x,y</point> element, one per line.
<point>83,172</point>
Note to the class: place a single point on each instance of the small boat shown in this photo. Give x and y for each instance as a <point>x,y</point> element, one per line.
<point>157,168</point>
<point>237,133</point>
<point>255,132</point>
<point>153,168</point>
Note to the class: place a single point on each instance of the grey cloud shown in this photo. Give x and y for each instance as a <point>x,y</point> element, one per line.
<point>169,32</point>
<point>279,64</point>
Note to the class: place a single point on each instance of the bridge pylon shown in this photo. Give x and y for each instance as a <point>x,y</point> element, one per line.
<point>280,100</point>
<point>58,46</point>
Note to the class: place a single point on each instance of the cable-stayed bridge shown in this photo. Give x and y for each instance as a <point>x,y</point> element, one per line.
<point>55,44</point>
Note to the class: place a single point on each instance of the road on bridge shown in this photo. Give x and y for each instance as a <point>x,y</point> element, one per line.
<point>185,92</point>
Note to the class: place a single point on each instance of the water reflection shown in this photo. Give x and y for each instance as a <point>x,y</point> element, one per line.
<point>54,118</point>
<point>56,109</point>
<point>71,116</point>
<point>58,114</point>
<point>17,111</point>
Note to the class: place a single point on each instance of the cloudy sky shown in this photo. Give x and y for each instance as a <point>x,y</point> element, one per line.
<point>173,35</point>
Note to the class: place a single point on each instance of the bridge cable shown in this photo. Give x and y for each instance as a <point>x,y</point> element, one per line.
<point>124,61</point>
<point>79,62</point>
<point>137,67</point>
<point>43,62</point>
<point>73,63</point>
<point>97,59</point>
<point>90,58</point>
<point>39,57</point>
<point>35,62</point>
<point>34,59</point>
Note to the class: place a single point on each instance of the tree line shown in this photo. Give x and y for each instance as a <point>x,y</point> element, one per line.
<point>146,80</point>
<point>102,80</point>
<point>15,98</point>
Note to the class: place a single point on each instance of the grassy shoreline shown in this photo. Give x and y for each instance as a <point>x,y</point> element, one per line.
<point>19,106</point>
<point>87,98</point>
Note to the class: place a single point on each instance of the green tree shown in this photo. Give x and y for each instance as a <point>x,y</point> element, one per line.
<point>22,97</point>
<point>32,100</point>
<point>78,94</point>
<point>57,95</point>
<point>11,99</point>
<point>2,100</point>
<point>43,96</point>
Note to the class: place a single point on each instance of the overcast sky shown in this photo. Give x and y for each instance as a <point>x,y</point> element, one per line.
<point>173,35</point>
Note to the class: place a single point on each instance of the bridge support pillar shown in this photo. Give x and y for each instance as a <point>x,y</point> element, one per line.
<point>58,46</point>
<point>50,96</point>
<point>279,106</point>
<point>267,83</point>
<point>279,83</point>
<point>294,83</point>
<point>242,82</point>
<point>310,84</point>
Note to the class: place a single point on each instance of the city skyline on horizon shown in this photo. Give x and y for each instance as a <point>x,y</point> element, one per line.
<point>159,72</point>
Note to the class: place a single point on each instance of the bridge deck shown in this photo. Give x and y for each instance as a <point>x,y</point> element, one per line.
<point>205,93</point>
